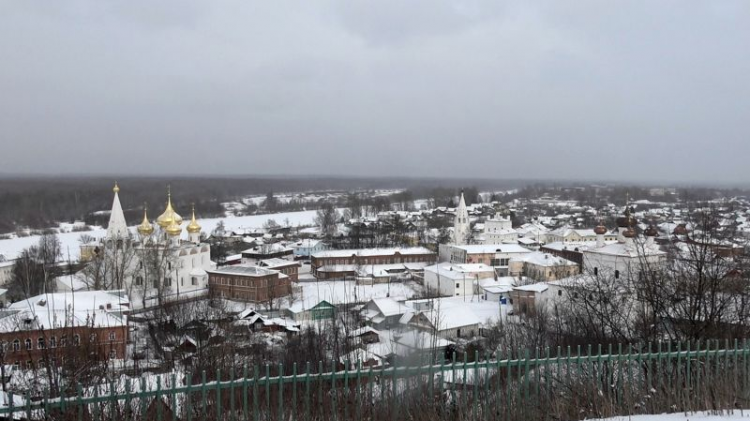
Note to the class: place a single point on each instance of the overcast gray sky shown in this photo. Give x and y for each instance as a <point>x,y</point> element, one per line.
<point>632,90</point>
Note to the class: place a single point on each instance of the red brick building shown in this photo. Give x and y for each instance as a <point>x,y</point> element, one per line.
<point>53,328</point>
<point>287,267</point>
<point>248,283</point>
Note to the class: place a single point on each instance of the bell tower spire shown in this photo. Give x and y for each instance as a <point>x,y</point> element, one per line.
<point>461,222</point>
<point>117,227</point>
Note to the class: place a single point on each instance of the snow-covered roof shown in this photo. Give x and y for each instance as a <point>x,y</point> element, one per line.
<point>66,309</point>
<point>460,271</point>
<point>540,258</point>
<point>538,287</point>
<point>243,270</point>
<point>372,252</point>
<point>492,248</point>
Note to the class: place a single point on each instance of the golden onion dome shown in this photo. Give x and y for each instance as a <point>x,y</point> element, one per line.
<point>193,226</point>
<point>145,228</point>
<point>173,230</point>
<point>169,216</point>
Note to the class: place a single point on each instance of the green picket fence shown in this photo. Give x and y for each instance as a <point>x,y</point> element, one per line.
<point>553,384</point>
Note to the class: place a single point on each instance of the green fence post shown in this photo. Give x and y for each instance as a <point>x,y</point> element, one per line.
<point>218,393</point>
<point>679,385</point>
<point>267,382</point>
<point>128,412</point>
<point>232,395</point>
<point>475,402</point>
<point>174,398</point>
<point>79,401</point>
<point>442,388</point>
<point>307,391</point>
<point>204,406</point>
<point>358,392</point>
<point>320,388</point>
<point>245,380</point>
<point>188,410</point>
<point>281,390</point>
<point>346,389</point>
<point>256,387</point>
<point>142,399</point>
<point>158,398</point>
<point>294,387</point>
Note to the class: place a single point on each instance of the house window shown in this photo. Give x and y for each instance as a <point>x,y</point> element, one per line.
<point>40,344</point>
<point>112,336</point>
<point>63,340</point>
<point>52,342</point>
<point>617,274</point>
<point>139,280</point>
<point>16,345</point>
<point>559,292</point>
<point>458,285</point>
<point>29,364</point>
<point>167,282</point>
<point>112,354</point>
<point>28,344</point>
<point>92,337</point>
<point>169,265</point>
<point>76,339</point>
<point>194,280</point>
<point>596,271</point>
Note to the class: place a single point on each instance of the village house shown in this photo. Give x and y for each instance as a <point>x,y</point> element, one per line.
<point>305,248</point>
<point>383,313</point>
<point>264,252</point>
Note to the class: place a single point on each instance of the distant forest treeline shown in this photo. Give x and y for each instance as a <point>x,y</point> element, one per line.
<point>45,201</point>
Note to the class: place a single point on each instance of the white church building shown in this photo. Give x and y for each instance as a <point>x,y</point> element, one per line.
<point>158,263</point>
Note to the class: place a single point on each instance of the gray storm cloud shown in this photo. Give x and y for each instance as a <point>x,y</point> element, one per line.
<point>637,90</point>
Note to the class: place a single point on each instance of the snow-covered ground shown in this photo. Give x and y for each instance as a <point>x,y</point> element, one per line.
<point>695,416</point>
<point>13,246</point>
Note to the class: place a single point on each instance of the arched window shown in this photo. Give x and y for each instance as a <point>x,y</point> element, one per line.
<point>92,337</point>
<point>139,280</point>
<point>40,344</point>
<point>112,336</point>
<point>617,274</point>
<point>28,343</point>
<point>16,345</point>
<point>52,342</point>
<point>76,339</point>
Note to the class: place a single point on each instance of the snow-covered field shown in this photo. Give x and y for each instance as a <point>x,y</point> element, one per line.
<point>12,247</point>
<point>696,416</point>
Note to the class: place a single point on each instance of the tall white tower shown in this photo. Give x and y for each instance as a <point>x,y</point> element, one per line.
<point>117,227</point>
<point>461,223</point>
